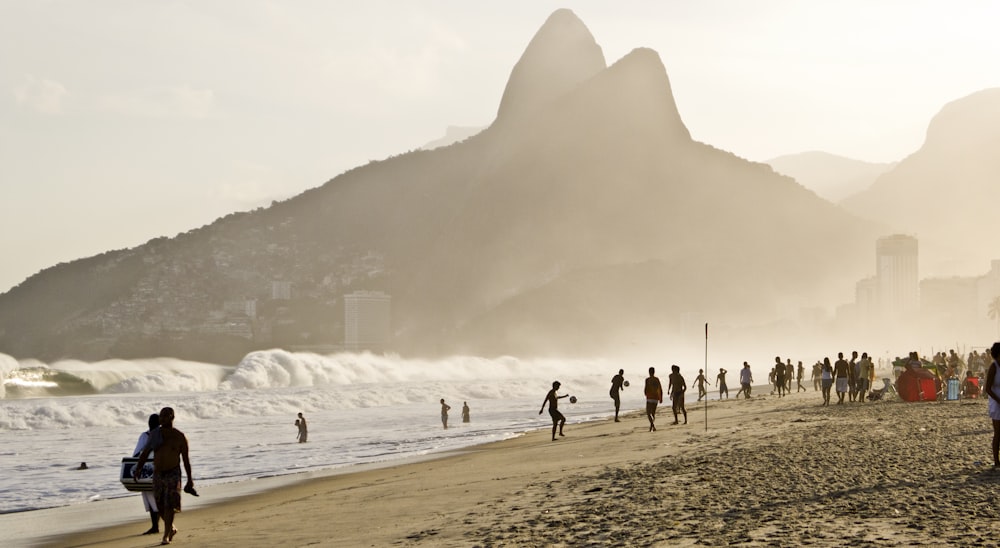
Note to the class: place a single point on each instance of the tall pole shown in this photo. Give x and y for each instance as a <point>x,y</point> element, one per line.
<point>706,372</point>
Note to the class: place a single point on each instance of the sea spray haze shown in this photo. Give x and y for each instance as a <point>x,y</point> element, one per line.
<point>585,219</point>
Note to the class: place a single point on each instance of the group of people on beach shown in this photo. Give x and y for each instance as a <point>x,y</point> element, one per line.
<point>653,390</point>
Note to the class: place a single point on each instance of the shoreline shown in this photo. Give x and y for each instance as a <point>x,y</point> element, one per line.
<point>767,469</point>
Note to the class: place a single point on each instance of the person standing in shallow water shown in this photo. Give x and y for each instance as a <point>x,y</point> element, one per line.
<point>676,386</point>
<point>465,411</point>
<point>303,429</point>
<point>654,396</point>
<point>617,385</point>
<point>993,398</point>
<point>444,413</point>
<point>558,420</point>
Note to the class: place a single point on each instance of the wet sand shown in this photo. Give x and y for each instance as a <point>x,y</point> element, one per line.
<point>767,472</point>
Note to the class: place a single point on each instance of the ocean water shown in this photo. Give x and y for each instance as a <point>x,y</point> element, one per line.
<point>362,409</point>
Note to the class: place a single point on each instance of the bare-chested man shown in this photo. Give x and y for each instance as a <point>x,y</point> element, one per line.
<point>558,420</point>
<point>720,381</point>
<point>169,447</point>
<point>701,382</point>
<point>676,386</point>
<point>654,396</point>
<point>842,377</point>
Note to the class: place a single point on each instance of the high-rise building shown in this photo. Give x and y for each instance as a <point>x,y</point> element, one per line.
<point>281,290</point>
<point>896,272</point>
<point>366,320</point>
<point>866,298</point>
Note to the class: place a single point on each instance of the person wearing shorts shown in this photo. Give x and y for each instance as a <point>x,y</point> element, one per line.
<point>720,381</point>
<point>842,376</point>
<point>169,447</point>
<point>676,386</point>
<point>746,380</point>
<point>654,396</point>
<point>826,379</point>
<point>558,420</point>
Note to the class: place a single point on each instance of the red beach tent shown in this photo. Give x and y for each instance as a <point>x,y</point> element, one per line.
<point>917,384</point>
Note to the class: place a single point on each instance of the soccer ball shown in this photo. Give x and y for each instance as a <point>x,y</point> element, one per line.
<point>625,383</point>
<point>572,399</point>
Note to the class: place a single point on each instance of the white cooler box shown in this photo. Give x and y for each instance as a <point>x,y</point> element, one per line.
<point>145,481</point>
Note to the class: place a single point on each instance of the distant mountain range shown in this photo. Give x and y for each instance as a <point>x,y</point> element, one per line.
<point>828,175</point>
<point>946,192</point>
<point>583,220</point>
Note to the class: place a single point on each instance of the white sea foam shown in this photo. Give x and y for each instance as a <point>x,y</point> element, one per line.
<point>362,408</point>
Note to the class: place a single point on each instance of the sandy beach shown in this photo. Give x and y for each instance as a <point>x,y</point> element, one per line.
<point>766,472</point>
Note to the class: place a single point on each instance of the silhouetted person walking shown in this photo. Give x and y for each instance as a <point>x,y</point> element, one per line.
<point>676,386</point>
<point>169,447</point>
<point>148,499</point>
<point>654,396</point>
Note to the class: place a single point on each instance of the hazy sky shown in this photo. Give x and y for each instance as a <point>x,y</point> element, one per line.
<point>121,121</point>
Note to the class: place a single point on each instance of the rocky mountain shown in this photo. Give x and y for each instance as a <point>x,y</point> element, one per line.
<point>945,193</point>
<point>584,218</point>
<point>828,175</point>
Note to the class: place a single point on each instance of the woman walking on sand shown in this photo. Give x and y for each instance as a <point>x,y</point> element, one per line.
<point>993,393</point>
<point>826,378</point>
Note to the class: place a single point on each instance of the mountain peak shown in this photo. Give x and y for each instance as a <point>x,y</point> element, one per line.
<point>644,90</point>
<point>560,56</point>
<point>970,121</point>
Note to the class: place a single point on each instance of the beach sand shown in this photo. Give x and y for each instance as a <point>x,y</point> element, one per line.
<point>767,472</point>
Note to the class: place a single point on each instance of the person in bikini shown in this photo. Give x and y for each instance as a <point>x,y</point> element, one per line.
<point>558,420</point>
<point>169,447</point>
<point>654,396</point>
